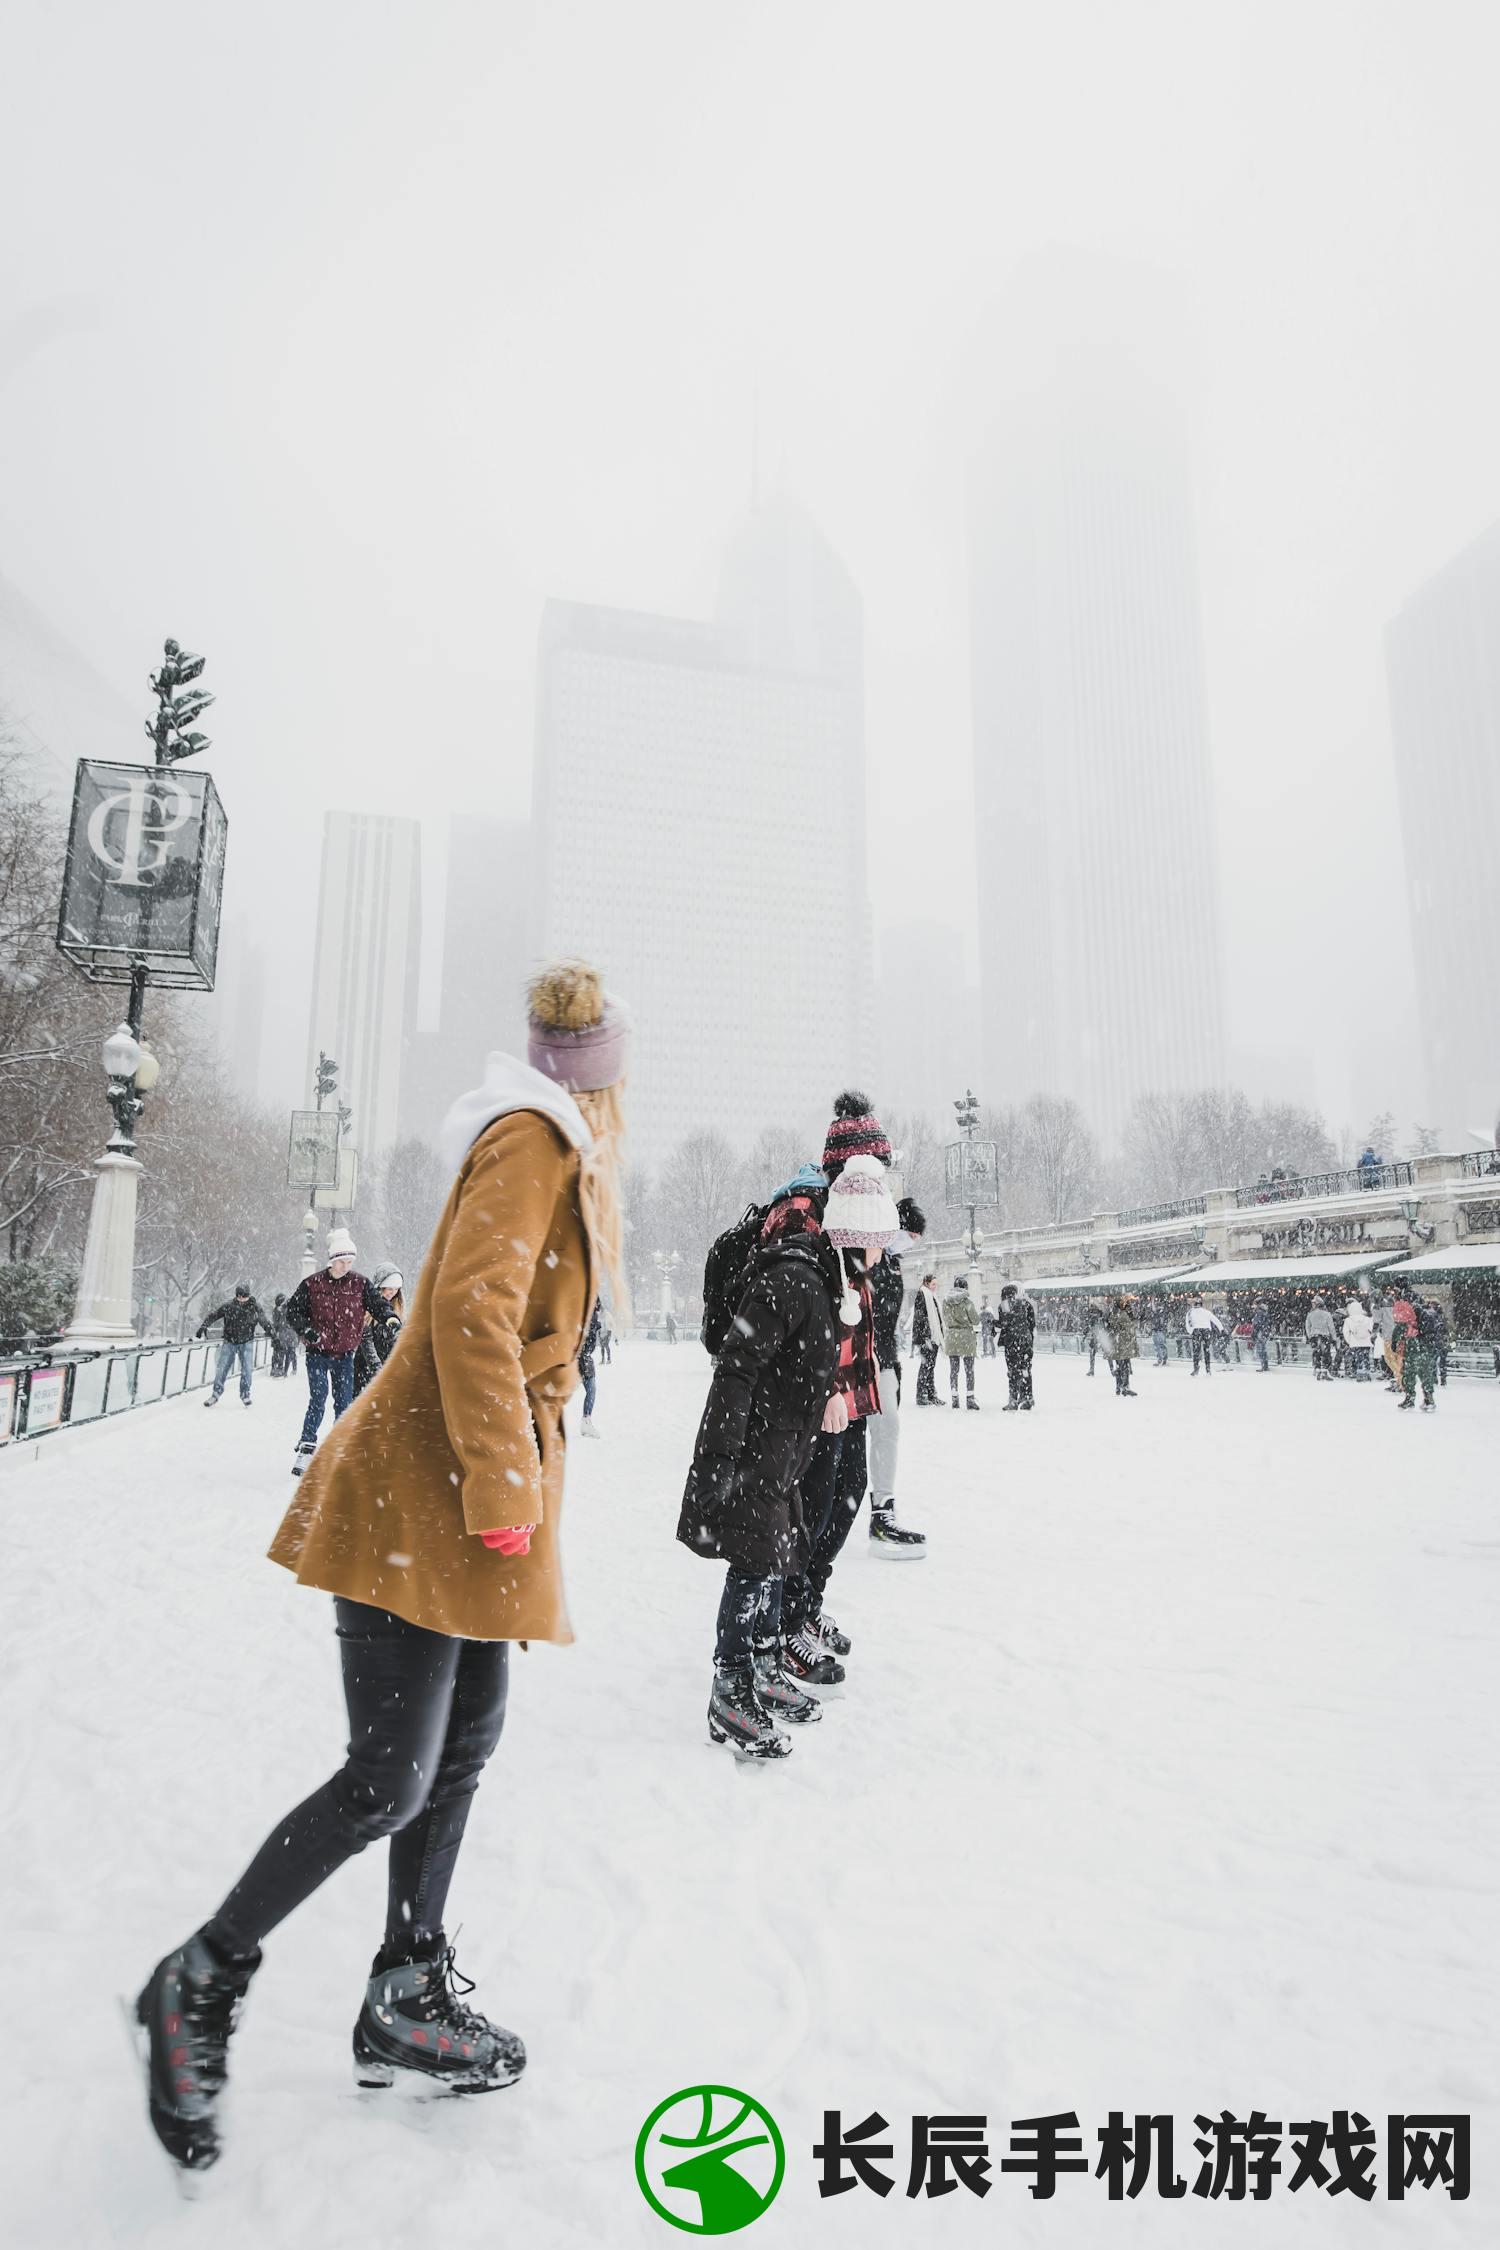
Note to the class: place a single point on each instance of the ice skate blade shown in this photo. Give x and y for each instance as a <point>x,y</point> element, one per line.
<point>888,1550</point>
<point>747,1756</point>
<point>374,2075</point>
<point>188,2183</point>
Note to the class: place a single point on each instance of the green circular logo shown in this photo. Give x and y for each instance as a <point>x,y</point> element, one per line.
<point>709,2160</point>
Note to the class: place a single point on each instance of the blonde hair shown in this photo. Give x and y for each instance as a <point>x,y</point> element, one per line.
<point>599,1190</point>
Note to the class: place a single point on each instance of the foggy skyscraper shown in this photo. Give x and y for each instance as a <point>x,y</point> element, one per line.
<point>1098,929</point>
<point>699,816</point>
<point>365,966</point>
<point>1443,661</point>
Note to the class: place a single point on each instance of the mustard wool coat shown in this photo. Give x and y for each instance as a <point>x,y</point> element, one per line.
<point>461,1431</point>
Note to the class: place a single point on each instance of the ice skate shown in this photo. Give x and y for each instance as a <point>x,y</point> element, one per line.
<point>780,1697</point>
<point>737,1716</point>
<point>184,2016</point>
<point>806,1659</point>
<point>414,2022</point>
<point>300,1459</point>
<point>826,1633</point>
<point>893,1539</point>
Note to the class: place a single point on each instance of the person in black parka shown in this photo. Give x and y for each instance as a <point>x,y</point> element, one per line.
<point>773,1380</point>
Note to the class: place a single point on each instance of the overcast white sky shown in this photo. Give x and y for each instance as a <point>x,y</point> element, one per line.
<point>335,336</point>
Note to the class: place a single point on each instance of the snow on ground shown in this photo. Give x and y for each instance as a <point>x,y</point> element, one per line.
<point>1166,1782</point>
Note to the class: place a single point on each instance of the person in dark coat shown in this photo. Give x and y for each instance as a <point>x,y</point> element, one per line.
<point>240,1318</point>
<point>328,1312</point>
<point>927,1338</point>
<point>284,1338</point>
<point>1124,1345</point>
<point>772,1387</point>
<point>887,1290</point>
<point>589,1354</point>
<point>1015,1330</point>
<point>1260,1334</point>
<point>381,1330</point>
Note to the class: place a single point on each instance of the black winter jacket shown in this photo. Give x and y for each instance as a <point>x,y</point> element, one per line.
<point>375,1346</point>
<point>1015,1327</point>
<point>889,1292</point>
<point>241,1317</point>
<point>772,1381</point>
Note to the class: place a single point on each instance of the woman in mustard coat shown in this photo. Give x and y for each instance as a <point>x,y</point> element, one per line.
<point>430,1513</point>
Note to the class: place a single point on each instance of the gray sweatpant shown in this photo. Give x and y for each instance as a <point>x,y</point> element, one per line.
<point>882,1437</point>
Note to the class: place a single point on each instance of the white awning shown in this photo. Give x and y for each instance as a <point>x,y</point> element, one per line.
<point>1248,1273</point>
<point>1465,1257</point>
<point>1119,1281</point>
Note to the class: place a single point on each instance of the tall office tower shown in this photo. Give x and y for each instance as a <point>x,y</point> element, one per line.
<point>1098,897</point>
<point>364,999</point>
<point>927,1030</point>
<point>700,833</point>
<point>483,1004</point>
<point>240,1015</point>
<point>1443,664</point>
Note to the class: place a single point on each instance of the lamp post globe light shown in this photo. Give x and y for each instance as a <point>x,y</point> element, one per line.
<point>102,1314</point>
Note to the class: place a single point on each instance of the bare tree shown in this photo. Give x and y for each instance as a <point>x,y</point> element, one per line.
<point>699,1184</point>
<point>410,1188</point>
<point>1061,1158</point>
<point>777,1153</point>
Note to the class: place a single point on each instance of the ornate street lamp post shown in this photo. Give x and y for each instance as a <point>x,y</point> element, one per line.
<point>314,1154</point>
<point>142,887</point>
<point>971,1173</point>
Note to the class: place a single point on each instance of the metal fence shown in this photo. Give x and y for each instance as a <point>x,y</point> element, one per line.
<point>1309,1184</point>
<point>1149,1214</point>
<point>43,1391</point>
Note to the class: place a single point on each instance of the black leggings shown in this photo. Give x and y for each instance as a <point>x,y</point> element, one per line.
<point>425,1712</point>
<point>833,1486</point>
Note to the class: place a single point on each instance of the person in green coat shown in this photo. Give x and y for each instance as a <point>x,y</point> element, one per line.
<point>1124,1345</point>
<point>961,1336</point>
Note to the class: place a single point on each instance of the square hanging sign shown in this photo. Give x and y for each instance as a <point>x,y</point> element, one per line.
<point>144,876</point>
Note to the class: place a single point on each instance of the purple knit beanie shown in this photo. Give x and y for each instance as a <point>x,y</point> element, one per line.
<point>855,1131</point>
<point>575,1032</point>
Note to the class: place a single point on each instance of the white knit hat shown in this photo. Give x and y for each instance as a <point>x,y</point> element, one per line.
<point>860,1213</point>
<point>341,1243</point>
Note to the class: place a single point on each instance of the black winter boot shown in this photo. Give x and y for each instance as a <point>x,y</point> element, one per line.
<point>186,2012</point>
<point>737,1716</point>
<point>414,2019</point>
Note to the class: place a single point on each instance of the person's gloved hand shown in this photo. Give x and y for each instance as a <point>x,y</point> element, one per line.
<point>713,1482</point>
<point>513,1542</point>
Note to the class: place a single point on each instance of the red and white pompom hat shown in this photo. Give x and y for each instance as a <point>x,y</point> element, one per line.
<point>860,1215</point>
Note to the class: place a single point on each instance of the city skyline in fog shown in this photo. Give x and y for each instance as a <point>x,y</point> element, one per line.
<point>347,375</point>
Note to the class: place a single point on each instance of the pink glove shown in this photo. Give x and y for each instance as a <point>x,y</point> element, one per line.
<point>517,1542</point>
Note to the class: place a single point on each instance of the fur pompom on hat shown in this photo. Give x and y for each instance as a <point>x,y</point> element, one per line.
<point>855,1131</point>
<point>576,1033</point>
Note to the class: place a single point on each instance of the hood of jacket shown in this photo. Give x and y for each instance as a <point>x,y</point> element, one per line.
<point>508,1085</point>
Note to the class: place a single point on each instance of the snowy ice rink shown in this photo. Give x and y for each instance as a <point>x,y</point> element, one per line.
<point>1167,1782</point>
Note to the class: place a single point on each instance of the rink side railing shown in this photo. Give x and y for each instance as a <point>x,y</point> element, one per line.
<point>54,1389</point>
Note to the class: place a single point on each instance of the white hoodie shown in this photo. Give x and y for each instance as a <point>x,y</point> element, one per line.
<point>508,1085</point>
<point>1358,1328</point>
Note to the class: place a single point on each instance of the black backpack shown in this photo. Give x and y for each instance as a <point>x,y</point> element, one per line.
<point>724,1276</point>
